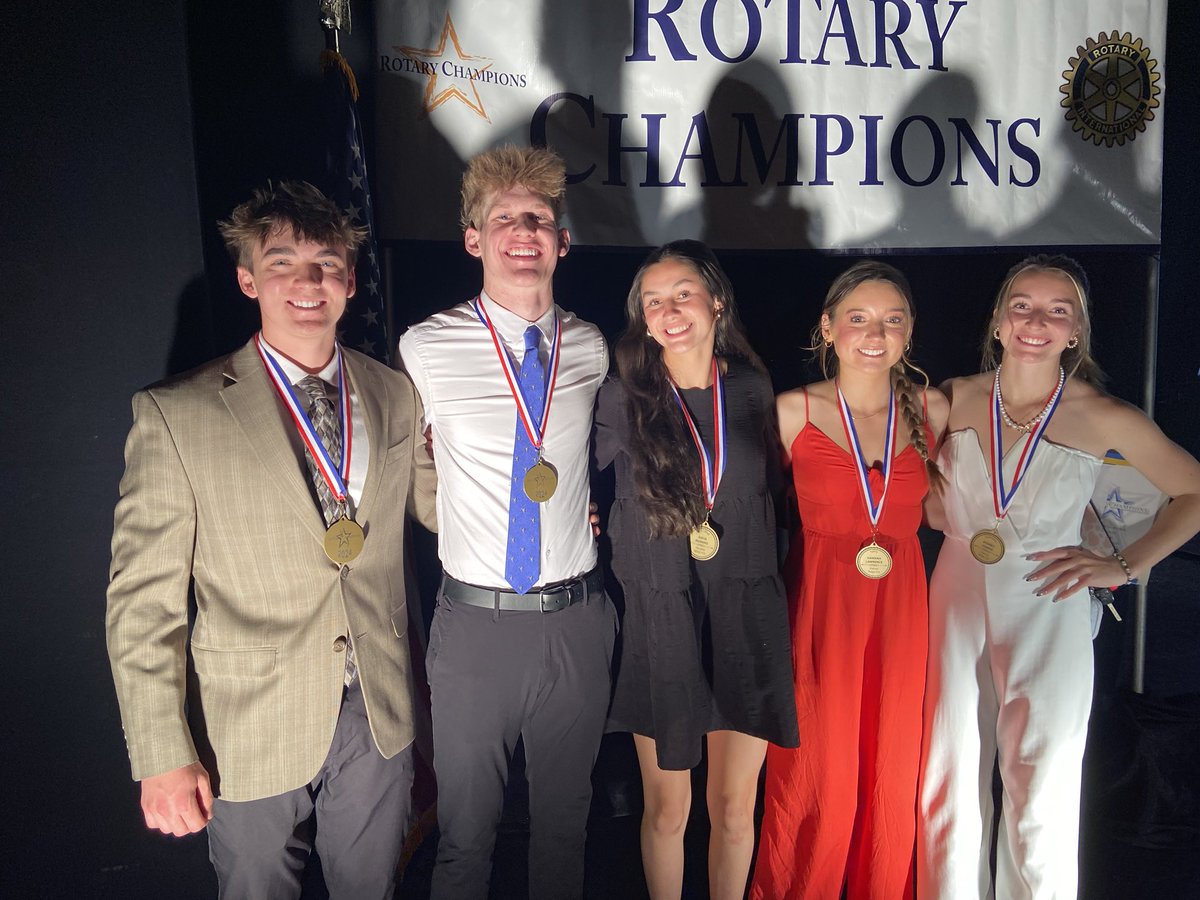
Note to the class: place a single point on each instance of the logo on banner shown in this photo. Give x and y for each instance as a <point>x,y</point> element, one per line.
<point>1111,88</point>
<point>453,73</point>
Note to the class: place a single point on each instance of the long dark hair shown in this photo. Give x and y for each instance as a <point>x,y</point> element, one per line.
<point>906,392</point>
<point>665,469</point>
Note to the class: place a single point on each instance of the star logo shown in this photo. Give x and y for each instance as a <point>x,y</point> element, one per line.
<point>442,86</point>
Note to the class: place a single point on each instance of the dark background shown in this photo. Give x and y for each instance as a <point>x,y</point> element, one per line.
<point>128,130</point>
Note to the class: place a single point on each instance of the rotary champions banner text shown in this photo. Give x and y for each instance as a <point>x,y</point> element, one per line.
<point>830,124</point>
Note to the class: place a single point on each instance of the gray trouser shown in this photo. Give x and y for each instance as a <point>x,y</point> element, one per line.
<point>497,676</point>
<point>362,803</point>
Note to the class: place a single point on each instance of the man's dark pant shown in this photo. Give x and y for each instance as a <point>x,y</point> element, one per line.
<point>362,803</point>
<point>496,676</point>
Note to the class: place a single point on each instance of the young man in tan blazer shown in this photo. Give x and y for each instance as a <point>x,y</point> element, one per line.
<point>291,692</point>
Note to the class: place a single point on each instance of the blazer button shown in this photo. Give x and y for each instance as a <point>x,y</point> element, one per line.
<point>339,644</point>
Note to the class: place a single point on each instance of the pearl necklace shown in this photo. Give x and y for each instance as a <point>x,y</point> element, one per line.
<point>1027,427</point>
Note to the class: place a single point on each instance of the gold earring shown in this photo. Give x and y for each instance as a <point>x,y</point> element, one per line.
<point>1073,342</point>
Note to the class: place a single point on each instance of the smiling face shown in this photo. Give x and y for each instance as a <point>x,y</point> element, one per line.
<point>679,309</point>
<point>869,327</point>
<point>301,287</point>
<point>519,243</point>
<point>1038,317</point>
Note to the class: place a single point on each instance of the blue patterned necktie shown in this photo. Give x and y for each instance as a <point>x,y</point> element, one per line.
<point>523,556</point>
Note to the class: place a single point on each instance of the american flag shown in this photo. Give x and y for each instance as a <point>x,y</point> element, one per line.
<point>364,326</point>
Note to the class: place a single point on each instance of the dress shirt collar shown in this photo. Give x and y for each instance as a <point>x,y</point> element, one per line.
<point>511,326</point>
<point>295,373</point>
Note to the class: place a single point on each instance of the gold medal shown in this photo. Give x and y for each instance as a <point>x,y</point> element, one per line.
<point>540,481</point>
<point>873,561</point>
<point>987,546</point>
<point>703,541</point>
<point>343,540</point>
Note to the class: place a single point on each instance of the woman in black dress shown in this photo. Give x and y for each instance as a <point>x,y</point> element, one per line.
<point>690,425</point>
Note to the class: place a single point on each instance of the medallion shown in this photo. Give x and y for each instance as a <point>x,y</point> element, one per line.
<point>873,561</point>
<point>540,481</point>
<point>987,546</point>
<point>703,542</point>
<point>343,541</point>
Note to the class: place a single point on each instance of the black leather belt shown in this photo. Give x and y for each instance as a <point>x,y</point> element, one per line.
<point>551,598</point>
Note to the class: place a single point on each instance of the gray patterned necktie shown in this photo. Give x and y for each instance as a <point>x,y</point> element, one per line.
<point>324,419</point>
<point>325,422</point>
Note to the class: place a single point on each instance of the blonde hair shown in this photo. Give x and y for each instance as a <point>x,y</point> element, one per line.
<point>296,204</point>
<point>1076,361</point>
<point>911,409</point>
<point>538,169</point>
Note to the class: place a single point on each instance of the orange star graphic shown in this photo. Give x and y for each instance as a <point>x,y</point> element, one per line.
<point>434,97</point>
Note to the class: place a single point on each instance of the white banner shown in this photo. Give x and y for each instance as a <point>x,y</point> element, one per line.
<point>829,124</point>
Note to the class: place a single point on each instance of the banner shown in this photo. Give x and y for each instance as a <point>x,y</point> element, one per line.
<point>830,124</point>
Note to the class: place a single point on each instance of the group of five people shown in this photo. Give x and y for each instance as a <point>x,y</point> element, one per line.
<point>269,489</point>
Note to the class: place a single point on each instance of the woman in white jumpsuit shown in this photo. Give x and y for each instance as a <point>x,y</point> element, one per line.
<point>1010,667</point>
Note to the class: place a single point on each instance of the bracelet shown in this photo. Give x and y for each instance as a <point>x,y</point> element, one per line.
<point>1129,579</point>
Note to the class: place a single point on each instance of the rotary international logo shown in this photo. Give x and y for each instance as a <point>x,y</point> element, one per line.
<point>1111,88</point>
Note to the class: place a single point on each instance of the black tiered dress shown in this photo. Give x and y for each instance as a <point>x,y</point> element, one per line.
<point>705,645</point>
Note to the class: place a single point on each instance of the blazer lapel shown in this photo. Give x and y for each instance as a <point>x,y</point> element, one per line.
<point>252,402</point>
<point>370,395</point>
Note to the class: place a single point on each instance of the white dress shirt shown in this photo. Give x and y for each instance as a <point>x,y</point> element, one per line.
<point>360,447</point>
<point>452,362</point>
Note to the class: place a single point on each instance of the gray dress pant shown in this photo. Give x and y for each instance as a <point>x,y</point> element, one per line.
<point>362,804</point>
<point>496,676</point>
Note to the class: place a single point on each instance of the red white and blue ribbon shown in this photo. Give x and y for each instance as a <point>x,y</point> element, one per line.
<point>335,479</point>
<point>711,467</point>
<point>874,509</point>
<point>535,429</point>
<point>1002,498</point>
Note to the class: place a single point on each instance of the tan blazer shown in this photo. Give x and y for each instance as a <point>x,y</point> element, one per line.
<point>216,495</point>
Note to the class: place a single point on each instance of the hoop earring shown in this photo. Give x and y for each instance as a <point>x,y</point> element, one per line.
<point>1073,342</point>
<point>828,343</point>
<point>996,333</point>
<point>908,346</point>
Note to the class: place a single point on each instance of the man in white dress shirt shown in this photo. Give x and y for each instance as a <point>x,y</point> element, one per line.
<point>522,637</point>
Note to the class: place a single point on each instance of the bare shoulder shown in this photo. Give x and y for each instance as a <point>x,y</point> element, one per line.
<point>938,406</point>
<point>965,387</point>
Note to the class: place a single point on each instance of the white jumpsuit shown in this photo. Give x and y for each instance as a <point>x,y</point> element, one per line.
<point>1010,673</point>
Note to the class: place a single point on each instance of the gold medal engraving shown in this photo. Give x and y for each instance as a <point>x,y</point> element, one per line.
<point>540,481</point>
<point>703,542</point>
<point>873,561</point>
<point>987,546</point>
<point>343,540</point>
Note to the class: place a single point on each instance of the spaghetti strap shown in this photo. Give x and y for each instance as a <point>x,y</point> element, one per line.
<point>804,388</point>
<point>925,404</point>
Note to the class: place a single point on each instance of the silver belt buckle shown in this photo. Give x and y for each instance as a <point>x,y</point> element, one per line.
<point>552,601</point>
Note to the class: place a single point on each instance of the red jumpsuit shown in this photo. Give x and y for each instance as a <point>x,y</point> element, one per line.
<point>842,808</point>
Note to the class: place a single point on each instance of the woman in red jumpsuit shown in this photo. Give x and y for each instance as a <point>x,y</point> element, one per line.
<point>840,810</point>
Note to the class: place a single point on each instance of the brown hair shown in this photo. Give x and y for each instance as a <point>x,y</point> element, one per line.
<point>539,169</point>
<point>668,481</point>
<point>1076,361</point>
<point>296,204</point>
<point>906,392</point>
